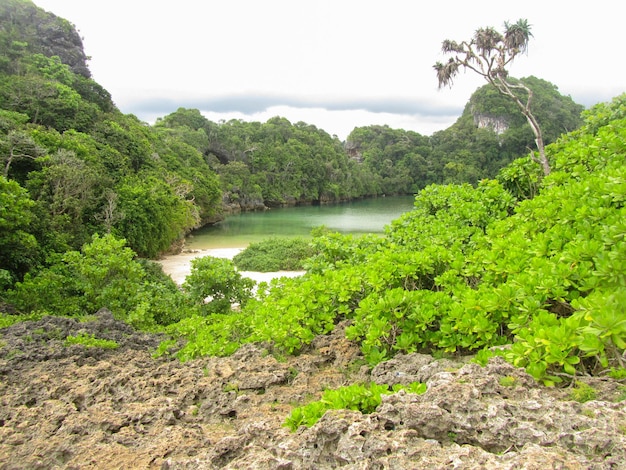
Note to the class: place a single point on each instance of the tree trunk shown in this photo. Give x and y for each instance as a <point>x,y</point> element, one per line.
<point>505,88</point>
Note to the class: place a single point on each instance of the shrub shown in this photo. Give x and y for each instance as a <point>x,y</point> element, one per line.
<point>215,285</point>
<point>274,254</point>
<point>357,397</point>
<point>90,341</point>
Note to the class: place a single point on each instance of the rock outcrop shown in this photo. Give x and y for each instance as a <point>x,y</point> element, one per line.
<point>497,124</point>
<point>44,33</point>
<point>76,407</point>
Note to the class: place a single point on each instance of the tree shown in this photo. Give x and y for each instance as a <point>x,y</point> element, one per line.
<point>18,144</point>
<point>488,54</point>
<point>215,284</point>
<point>18,247</point>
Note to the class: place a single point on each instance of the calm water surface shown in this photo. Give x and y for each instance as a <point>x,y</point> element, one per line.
<point>237,231</point>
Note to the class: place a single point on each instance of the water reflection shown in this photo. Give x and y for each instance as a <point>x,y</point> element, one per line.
<point>366,216</point>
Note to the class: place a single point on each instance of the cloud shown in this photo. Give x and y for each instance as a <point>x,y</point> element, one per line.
<point>255,103</point>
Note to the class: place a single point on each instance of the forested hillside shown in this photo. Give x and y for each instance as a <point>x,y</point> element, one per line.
<point>279,163</point>
<point>489,134</point>
<point>274,163</point>
<point>83,167</point>
<point>77,164</point>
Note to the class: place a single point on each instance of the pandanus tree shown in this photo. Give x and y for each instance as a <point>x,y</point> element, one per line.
<point>489,53</point>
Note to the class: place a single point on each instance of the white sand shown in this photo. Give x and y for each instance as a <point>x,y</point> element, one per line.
<point>179,266</point>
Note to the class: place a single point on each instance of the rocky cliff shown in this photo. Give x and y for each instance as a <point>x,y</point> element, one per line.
<point>497,124</point>
<point>42,32</point>
<point>75,407</point>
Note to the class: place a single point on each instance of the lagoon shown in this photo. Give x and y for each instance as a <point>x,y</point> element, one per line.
<point>239,230</point>
<point>236,232</point>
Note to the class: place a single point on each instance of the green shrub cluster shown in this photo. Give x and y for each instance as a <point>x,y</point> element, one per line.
<point>474,268</point>
<point>275,254</point>
<point>358,397</point>
<point>105,273</point>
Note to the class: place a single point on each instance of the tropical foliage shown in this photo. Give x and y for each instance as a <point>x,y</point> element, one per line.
<point>364,398</point>
<point>476,270</point>
<point>275,254</point>
<point>86,167</point>
<point>525,265</point>
<point>489,135</point>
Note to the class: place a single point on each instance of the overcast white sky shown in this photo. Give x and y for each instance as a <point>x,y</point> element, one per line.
<point>337,64</point>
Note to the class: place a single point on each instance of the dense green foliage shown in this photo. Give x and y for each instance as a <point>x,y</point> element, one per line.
<point>471,268</point>
<point>85,167</point>
<point>106,273</point>
<point>277,162</point>
<point>490,134</point>
<point>275,254</point>
<point>522,266</point>
<point>103,274</point>
<point>215,285</point>
<point>357,397</point>
<point>274,163</point>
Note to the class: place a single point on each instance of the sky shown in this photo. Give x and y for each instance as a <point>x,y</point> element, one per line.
<point>336,64</point>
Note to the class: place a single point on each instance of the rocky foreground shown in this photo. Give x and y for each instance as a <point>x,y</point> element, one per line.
<point>75,407</point>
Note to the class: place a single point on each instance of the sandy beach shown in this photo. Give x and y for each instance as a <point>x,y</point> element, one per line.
<point>179,266</point>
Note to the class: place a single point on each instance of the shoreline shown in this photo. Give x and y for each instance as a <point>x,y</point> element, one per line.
<point>178,267</point>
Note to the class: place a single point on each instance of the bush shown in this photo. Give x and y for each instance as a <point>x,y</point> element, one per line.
<point>104,273</point>
<point>90,341</point>
<point>215,285</point>
<point>363,398</point>
<point>274,254</point>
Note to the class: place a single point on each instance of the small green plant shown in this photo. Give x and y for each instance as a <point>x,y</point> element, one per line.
<point>622,394</point>
<point>292,374</point>
<point>357,397</point>
<point>7,320</point>
<point>47,334</point>
<point>508,381</point>
<point>582,392</point>
<point>588,413</point>
<point>618,373</point>
<point>231,387</point>
<point>14,353</point>
<point>90,341</point>
<point>164,348</point>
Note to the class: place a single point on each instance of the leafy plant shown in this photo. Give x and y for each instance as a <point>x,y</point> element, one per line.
<point>357,397</point>
<point>90,341</point>
<point>215,285</point>
<point>508,381</point>
<point>582,392</point>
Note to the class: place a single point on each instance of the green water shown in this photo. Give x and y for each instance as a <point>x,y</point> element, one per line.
<point>238,231</point>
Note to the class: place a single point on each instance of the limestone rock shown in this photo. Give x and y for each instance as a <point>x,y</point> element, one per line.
<point>77,407</point>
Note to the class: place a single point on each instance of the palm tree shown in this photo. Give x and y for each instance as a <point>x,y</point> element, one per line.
<point>489,53</point>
